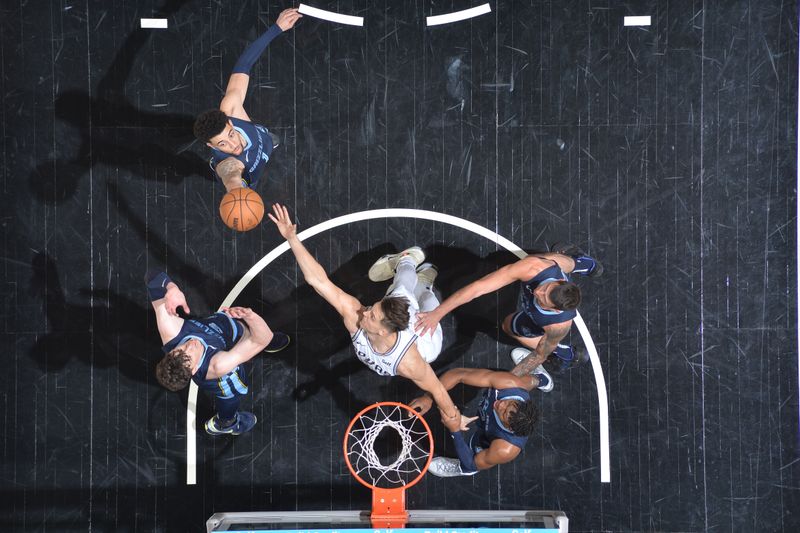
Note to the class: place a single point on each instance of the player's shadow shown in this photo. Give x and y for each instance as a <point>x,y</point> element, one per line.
<point>113,131</point>
<point>106,332</point>
<point>321,334</point>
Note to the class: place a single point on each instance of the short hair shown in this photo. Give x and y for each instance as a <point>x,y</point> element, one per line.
<point>522,420</point>
<point>209,124</point>
<point>395,313</point>
<point>173,371</point>
<point>566,296</point>
<point>230,167</point>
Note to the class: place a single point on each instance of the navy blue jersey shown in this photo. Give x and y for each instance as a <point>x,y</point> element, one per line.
<point>539,316</point>
<point>256,151</point>
<point>217,333</point>
<point>490,427</point>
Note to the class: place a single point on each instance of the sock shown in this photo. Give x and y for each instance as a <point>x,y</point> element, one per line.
<point>583,265</point>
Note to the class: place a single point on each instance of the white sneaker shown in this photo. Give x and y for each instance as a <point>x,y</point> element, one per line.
<point>518,354</point>
<point>447,467</point>
<point>384,267</point>
<point>426,274</point>
<point>540,372</point>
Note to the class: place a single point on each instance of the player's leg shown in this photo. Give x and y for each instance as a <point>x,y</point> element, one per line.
<point>522,329</point>
<point>229,420</point>
<point>430,344</point>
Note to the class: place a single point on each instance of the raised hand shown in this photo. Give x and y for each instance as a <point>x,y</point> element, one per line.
<point>422,404</point>
<point>452,422</point>
<point>238,312</point>
<point>466,421</point>
<point>280,216</point>
<point>173,299</point>
<point>288,18</point>
<point>427,322</point>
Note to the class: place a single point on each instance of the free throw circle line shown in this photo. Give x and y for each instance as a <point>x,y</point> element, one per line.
<point>373,214</point>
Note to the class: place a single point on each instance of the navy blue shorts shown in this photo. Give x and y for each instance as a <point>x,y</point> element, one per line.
<point>523,326</point>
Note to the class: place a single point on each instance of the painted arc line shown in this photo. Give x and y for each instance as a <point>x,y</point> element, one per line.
<point>154,23</point>
<point>455,16</point>
<point>637,21</point>
<point>602,394</point>
<point>797,234</point>
<point>330,15</point>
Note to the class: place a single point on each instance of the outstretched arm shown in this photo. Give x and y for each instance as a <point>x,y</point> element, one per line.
<point>166,298</point>
<point>415,368</point>
<point>522,270</point>
<point>256,337</point>
<point>233,102</point>
<point>476,377</point>
<point>346,305</point>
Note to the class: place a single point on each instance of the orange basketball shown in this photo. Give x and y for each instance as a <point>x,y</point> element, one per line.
<point>241,209</point>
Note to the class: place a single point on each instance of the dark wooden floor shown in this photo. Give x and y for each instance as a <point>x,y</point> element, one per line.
<point>669,152</point>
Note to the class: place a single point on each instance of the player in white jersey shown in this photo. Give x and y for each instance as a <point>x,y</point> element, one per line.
<point>383,333</point>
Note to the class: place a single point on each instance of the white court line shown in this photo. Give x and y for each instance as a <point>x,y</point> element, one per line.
<point>331,16</point>
<point>637,21</point>
<point>797,234</point>
<point>154,23</point>
<point>455,16</point>
<point>602,395</point>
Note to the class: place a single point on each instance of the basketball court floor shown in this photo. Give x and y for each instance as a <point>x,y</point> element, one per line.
<point>668,151</point>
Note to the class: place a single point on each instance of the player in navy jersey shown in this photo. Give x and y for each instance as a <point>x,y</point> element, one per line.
<point>240,148</point>
<point>548,301</point>
<point>211,351</point>
<point>506,416</point>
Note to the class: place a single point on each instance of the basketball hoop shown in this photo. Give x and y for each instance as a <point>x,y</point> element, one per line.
<point>388,482</point>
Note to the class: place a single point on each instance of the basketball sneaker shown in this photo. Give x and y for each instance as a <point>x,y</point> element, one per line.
<point>577,254</point>
<point>244,422</point>
<point>384,267</point>
<point>426,274</point>
<point>447,467</point>
<point>545,380</point>
<point>279,342</point>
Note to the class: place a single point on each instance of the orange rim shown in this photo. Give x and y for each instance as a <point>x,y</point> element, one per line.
<point>389,404</point>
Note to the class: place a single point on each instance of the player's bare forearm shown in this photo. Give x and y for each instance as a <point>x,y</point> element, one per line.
<point>313,272</point>
<point>443,401</point>
<point>527,365</point>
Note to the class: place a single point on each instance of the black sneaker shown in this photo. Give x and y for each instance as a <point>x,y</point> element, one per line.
<point>244,422</point>
<point>276,141</point>
<point>556,365</point>
<point>573,251</point>
<point>279,342</point>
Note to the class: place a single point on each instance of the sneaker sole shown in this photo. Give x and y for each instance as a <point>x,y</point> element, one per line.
<point>518,354</point>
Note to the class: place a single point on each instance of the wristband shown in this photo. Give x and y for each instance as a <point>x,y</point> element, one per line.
<point>157,282</point>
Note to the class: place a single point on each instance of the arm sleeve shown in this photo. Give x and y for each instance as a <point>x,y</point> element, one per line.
<point>254,51</point>
<point>464,453</point>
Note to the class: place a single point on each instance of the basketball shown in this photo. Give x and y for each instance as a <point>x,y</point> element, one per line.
<point>241,209</point>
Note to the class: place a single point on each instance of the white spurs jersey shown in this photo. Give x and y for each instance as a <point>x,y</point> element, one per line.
<point>385,364</point>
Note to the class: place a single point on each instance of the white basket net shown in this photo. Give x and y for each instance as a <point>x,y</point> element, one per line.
<point>415,446</point>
